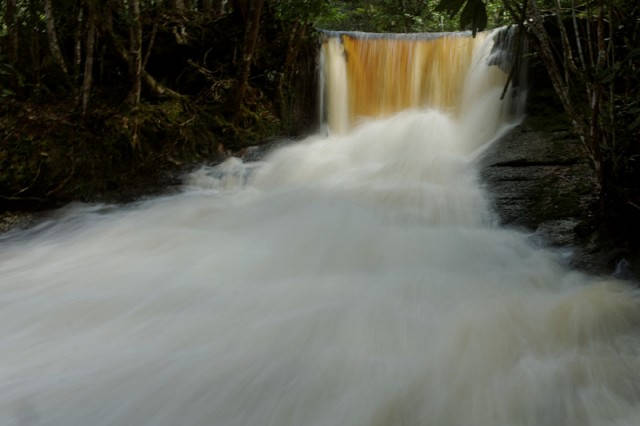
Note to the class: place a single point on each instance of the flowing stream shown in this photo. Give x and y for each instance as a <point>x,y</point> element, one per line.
<point>351,279</point>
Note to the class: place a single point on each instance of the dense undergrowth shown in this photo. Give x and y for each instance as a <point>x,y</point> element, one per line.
<point>52,152</point>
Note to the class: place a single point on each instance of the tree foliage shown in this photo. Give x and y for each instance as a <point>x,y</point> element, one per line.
<point>128,84</point>
<point>473,13</point>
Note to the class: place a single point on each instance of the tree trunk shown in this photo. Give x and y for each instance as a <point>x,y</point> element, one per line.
<point>241,9</point>
<point>152,40</point>
<point>218,6</point>
<point>586,126</point>
<point>12,30</point>
<point>136,52</point>
<point>89,57</point>
<point>36,60</point>
<point>77,45</point>
<point>136,67</point>
<point>215,6</point>
<point>293,45</point>
<point>554,70</point>
<point>54,46</point>
<point>250,39</point>
<point>177,5</point>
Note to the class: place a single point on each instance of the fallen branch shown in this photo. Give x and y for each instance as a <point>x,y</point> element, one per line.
<point>207,73</point>
<point>188,121</point>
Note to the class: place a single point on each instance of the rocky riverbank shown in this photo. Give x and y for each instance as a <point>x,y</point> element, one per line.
<point>541,182</point>
<point>13,220</point>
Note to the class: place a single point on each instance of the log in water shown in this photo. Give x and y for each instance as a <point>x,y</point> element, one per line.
<point>355,279</point>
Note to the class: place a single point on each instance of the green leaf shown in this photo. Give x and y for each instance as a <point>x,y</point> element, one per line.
<point>452,7</point>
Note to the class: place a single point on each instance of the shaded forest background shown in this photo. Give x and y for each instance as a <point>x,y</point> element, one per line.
<point>110,99</point>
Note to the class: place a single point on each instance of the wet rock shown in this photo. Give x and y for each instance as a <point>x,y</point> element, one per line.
<point>15,220</point>
<point>540,181</point>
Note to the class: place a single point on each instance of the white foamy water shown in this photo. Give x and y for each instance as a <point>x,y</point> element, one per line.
<point>344,280</point>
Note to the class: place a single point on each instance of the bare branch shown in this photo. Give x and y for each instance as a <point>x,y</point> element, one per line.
<point>152,40</point>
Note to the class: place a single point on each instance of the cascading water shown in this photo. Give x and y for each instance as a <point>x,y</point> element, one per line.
<point>376,75</point>
<point>355,279</point>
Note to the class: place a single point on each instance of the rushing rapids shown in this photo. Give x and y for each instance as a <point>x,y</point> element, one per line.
<point>353,279</point>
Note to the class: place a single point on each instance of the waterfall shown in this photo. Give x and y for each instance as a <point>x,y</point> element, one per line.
<point>370,75</point>
<point>356,278</point>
